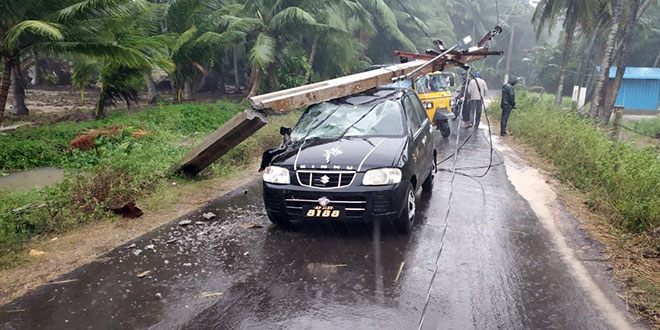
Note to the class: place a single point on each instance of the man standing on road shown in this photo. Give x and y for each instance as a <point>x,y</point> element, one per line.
<point>476,91</point>
<point>482,93</point>
<point>508,103</point>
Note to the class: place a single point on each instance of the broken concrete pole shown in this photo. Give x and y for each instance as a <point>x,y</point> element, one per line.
<point>233,132</point>
<point>299,97</point>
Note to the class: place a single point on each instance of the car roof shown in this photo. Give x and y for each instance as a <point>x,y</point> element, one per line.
<point>372,96</point>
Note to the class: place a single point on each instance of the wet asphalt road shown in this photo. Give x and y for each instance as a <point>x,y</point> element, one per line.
<point>498,270</point>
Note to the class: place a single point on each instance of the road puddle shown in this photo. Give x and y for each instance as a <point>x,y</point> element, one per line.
<point>34,178</point>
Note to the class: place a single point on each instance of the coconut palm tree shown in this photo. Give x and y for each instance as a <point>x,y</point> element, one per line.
<point>598,101</point>
<point>574,13</point>
<point>59,26</point>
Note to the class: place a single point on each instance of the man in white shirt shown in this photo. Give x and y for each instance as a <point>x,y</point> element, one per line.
<point>476,93</point>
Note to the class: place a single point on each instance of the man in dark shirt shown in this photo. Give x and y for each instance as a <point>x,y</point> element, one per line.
<point>508,103</point>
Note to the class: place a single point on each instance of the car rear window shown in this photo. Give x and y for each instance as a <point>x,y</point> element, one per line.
<point>331,121</point>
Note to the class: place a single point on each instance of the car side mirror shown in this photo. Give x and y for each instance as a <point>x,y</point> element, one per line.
<point>284,130</point>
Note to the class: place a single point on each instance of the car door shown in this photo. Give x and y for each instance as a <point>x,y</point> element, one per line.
<point>418,137</point>
<point>427,131</point>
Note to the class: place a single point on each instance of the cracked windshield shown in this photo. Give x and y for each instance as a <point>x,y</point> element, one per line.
<point>329,164</point>
<point>330,121</point>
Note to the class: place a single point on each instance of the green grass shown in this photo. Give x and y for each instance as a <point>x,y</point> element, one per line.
<point>650,127</point>
<point>621,180</point>
<point>120,169</point>
<point>566,101</point>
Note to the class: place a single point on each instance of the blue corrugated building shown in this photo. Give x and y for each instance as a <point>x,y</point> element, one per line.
<point>639,92</point>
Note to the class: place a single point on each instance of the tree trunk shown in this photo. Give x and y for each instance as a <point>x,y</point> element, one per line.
<point>628,34</point>
<point>598,100</point>
<point>568,45</point>
<point>274,81</point>
<point>4,88</point>
<point>585,61</point>
<point>221,79</point>
<point>100,105</point>
<point>36,71</point>
<point>152,92</point>
<point>18,89</point>
<point>237,76</point>
<point>312,56</point>
<point>255,80</point>
<point>187,91</point>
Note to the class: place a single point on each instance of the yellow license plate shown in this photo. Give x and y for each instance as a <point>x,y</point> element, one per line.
<point>323,212</point>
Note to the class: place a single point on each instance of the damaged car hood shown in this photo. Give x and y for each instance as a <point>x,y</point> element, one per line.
<point>345,154</point>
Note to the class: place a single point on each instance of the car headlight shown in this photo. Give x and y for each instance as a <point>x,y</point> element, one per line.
<point>382,176</point>
<point>452,102</point>
<point>428,105</point>
<point>274,174</point>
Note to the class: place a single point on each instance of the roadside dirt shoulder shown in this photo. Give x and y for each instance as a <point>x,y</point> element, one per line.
<point>57,255</point>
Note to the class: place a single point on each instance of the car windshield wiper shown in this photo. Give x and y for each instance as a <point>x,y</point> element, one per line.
<point>319,124</point>
<point>355,123</point>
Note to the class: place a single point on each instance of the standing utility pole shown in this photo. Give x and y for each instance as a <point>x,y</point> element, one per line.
<point>507,69</point>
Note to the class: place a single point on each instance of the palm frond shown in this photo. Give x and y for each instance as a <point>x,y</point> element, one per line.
<point>291,17</point>
<point>262,53</point>
<point>47,30</point>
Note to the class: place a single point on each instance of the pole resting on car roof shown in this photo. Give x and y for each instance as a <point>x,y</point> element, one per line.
<point>245,124</point>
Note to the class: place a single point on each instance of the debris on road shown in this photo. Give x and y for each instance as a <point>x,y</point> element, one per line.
<point>250,226</point>
<point>185,222</point>
<point>187,264</point>
<point>150,247</point>
<point>247,253</point>
<point>210,294</point>
<point>208,215</point>
<point>132,246</point>
<point>137,252</point>
<point>63,281</point>
<point>158,295</point>
<point>200,223</point>
<point>36,253</point>
<point>143,274</point>
<point>398,274</point>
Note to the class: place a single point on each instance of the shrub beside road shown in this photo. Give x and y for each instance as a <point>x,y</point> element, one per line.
<point>120,168</point>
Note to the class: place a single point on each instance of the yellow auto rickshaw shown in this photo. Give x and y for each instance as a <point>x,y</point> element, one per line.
<point>434,91</point>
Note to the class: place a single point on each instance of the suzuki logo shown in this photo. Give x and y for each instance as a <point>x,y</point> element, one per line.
<point>331,152</point>
<point>325,179</point>
<point>324,201</point>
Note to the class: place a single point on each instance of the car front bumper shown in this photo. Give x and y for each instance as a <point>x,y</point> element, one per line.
<point>357,203</point>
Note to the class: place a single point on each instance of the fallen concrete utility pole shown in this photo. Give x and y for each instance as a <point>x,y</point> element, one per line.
<point>243,125</point>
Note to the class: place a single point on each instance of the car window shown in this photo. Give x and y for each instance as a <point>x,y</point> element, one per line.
<point>413,119</point>
<point>331,121</point>
<point>419,108</point>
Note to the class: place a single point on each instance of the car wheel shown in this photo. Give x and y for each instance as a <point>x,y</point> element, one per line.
<point>279,221</point>
<point>443,126</point>
<point>404,222</point>
<point>427,186</point>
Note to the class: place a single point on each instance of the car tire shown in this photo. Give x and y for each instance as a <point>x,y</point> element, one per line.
<point>443,126</point>
<point>404,222</point>
<point>279,221</point>
<point>427,186</point>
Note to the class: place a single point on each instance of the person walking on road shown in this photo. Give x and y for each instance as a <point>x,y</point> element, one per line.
<point>482,93</point>
<point>508,103</point>
<point>475,94</point>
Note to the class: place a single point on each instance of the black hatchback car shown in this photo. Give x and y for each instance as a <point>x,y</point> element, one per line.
<point>359,157</point>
